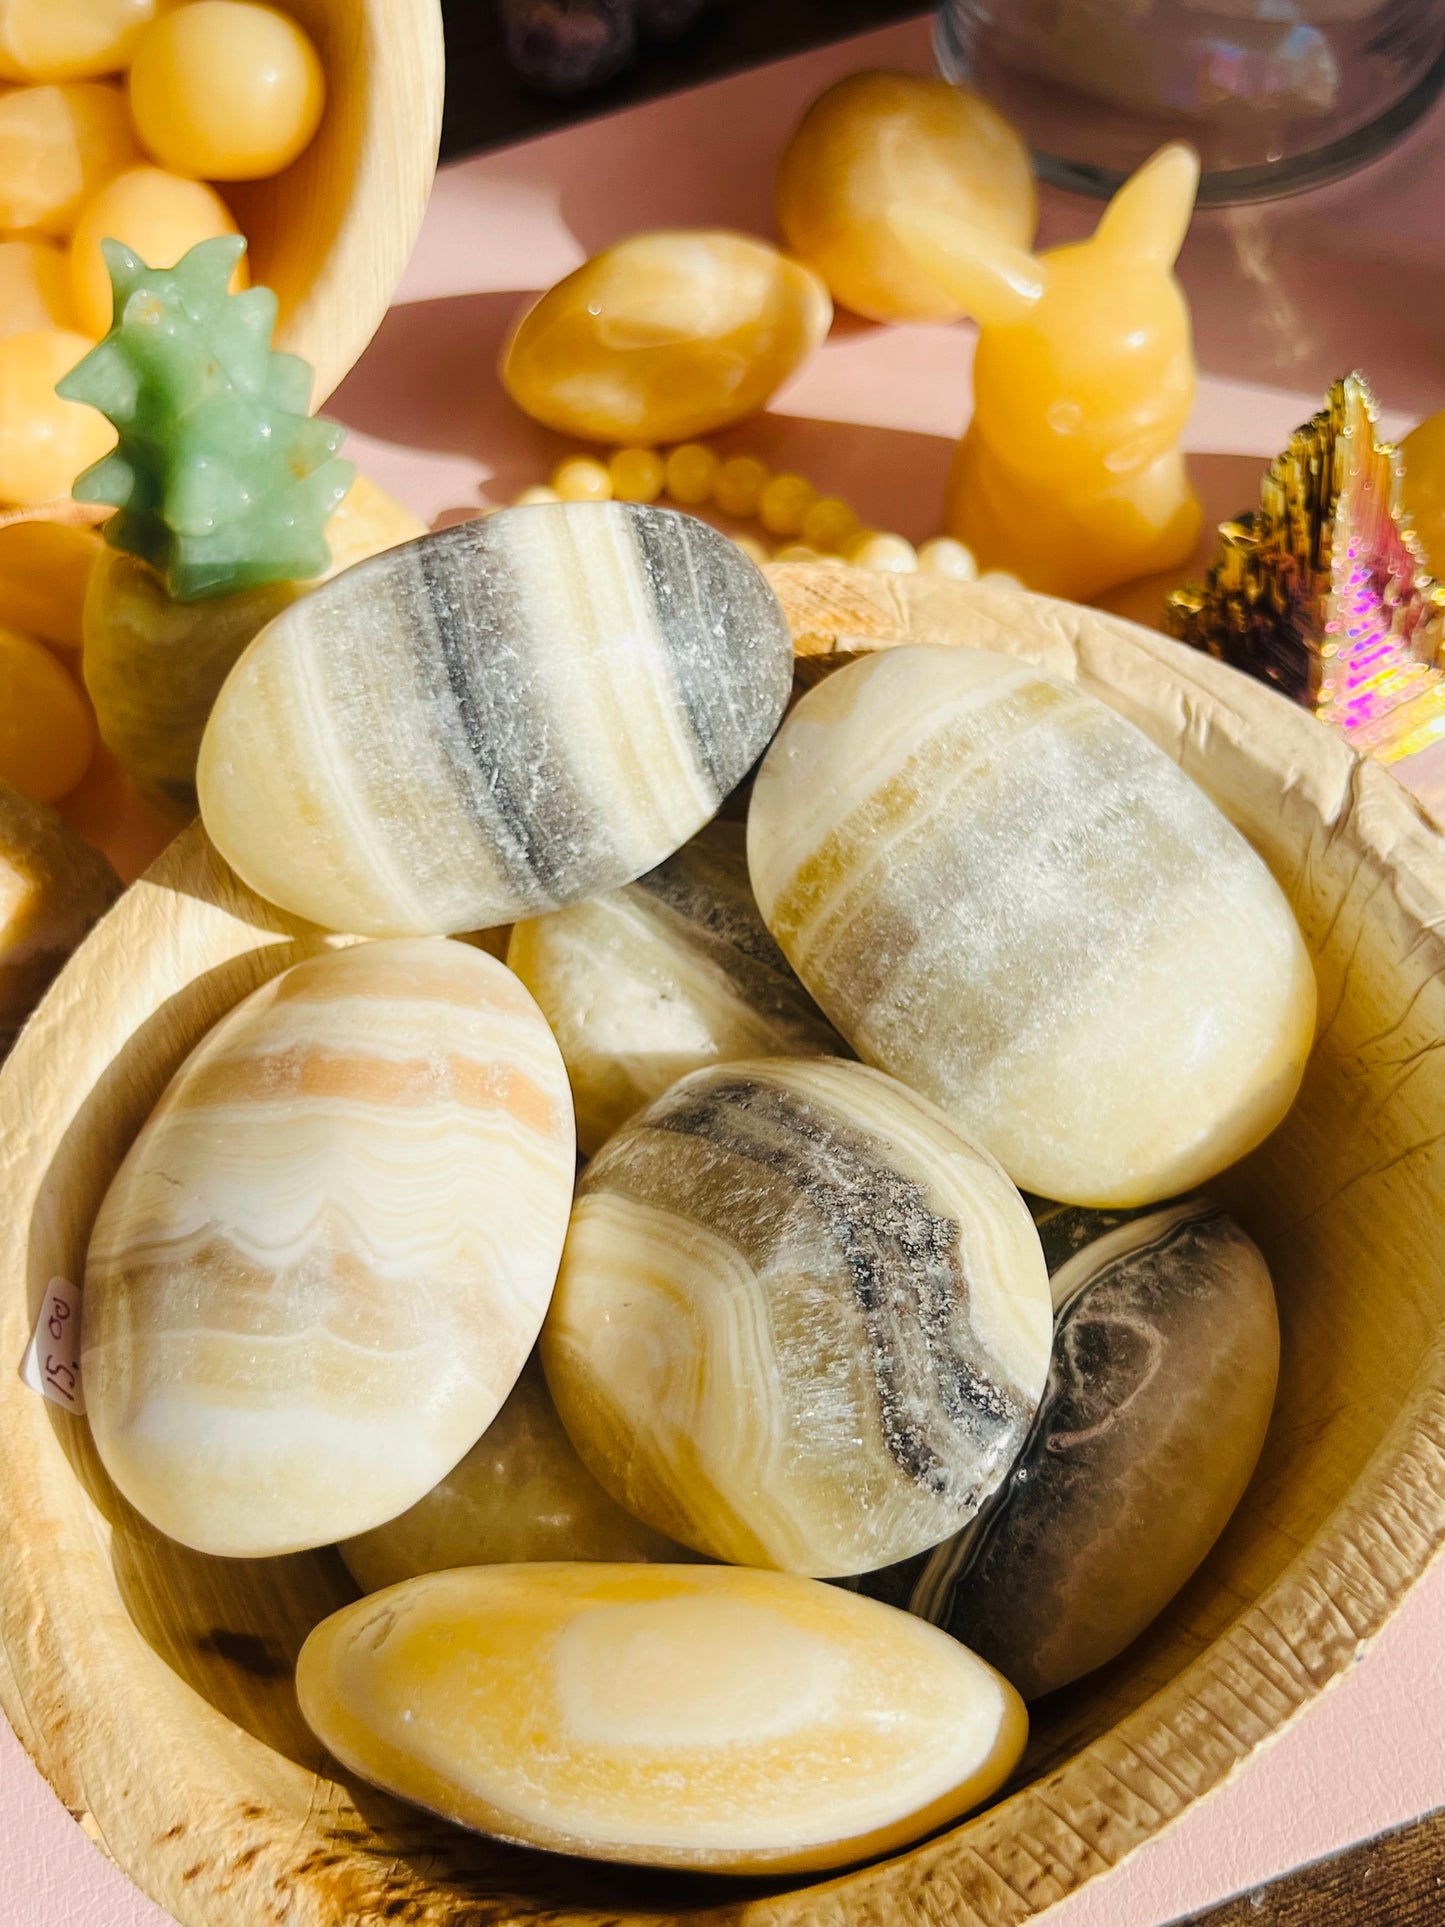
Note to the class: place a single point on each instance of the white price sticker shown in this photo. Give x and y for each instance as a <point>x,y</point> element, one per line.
<point>52,1359</point>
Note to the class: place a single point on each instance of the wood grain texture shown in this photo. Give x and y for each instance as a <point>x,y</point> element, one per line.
<point>152,1685</point>
<point>333,232</point>
<point>1395,1880</point>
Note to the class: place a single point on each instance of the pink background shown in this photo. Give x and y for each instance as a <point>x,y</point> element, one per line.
<point>1285,298</point>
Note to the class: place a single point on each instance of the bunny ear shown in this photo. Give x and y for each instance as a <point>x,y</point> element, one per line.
<point>1149,216</point>
<point>990,279</point>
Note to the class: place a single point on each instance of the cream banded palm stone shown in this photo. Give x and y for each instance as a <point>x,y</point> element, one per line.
<point>801,1322</point>
<point>495,720</point>
<point>1006,895</point>
<point>662,977</point>
<point>320,1268</point>
<point>684,1716</point>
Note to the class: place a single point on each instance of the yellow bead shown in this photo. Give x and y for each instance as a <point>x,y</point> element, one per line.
<point>753,549</point>
<point>829,524</point>
<point>784,503</point>
<point>47,737</point>
<point>535,496</point>
<point>45,570</point>
<point>689,472</point>
<point>34,287</point>
<point>44,441</point>
<point>580,479</point>
<point>800,552</point>
<point>57,146</point>
<point>941,555</point>
<point>888,554</point>
<point>156,214</point>
<point>1000,579</point>
<point>737,486</point>
<point>665,337</point>
<point>226,90</point>
<point>637,475</point>
<point>367,522</point>
<point>68,39</point>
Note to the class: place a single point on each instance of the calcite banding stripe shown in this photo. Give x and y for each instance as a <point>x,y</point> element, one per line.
<point>318,1272</point>
<point>490,722</point>
<point>800,1321</point>
<point>1007,896</point>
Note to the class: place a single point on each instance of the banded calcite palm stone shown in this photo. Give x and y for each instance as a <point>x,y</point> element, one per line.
<point>494,721</point>
<point>801,1322</point>
<point>319,1270</point>
<point>520,1494</point>
<point>662,977</point>
<point>684,1716</point>
<point>1006,895</point>
<point>1166,1354</point>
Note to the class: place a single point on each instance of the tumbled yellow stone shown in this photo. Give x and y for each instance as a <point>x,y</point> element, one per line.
<point>47,737</point>
<point>665,336</point>
<point>34,286</point>
<point>1006,895</point>
<point>45,570</point>
<point>521,1494</point>
<point>876,140</point>
<point>57,146</point>
<point>683,1716</point>
<point>801,1322</point>
<point>68,39</point>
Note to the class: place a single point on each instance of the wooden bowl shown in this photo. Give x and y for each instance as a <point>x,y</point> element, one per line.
<point>153,1685</point>
<point>333,232</point>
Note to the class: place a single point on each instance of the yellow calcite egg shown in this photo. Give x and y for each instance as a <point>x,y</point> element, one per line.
<point>57,145</point>
<point>44,442</point>
<point>321,1266</point>
<point>1423,489</point>
<point>159,216</point>
<point>68,39</point>
<point>226,90</point>
<point>45,571</point>
<point>34,286</point>
<point>682,1716</point>
<point>665,336</point>
<point>46,735</point>
<point>875,140</point>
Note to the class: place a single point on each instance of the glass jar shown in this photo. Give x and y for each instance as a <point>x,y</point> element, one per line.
<point>1277,95</point>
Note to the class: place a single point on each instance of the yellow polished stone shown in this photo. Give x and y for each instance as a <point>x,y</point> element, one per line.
<point>684,1716</point>
<point>738,485</point>
<point>53,886</point>
<point>829,524</point>
<point>57,146</point>
<point>68,39</point>
<point>520,1495</point>
<point>1423,489</point>
<point>784,503</point>
<point>689,473</point>
<point>368,521</point>
<point>637,475</point>
<point>44,442</point>
<point>665,336</point>
<point>158,216</point>
<point>801,1321</point>
<point>1071,474</point>
<point>45,571</point>
<point>34,286</point>
<point>47,737</point>
<point>225,90</point>
<point>878,140</point>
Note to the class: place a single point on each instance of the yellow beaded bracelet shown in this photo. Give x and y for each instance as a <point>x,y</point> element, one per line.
<point>813,527</point>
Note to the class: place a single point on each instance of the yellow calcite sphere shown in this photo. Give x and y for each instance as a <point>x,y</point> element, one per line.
<point>1423,489</point>
<point>34,286</point>
<point>784,503</point>
<point>57,145</point>
<point>582,480</point>
<point>665,336</point>
<point>683,1716</point>
<point>46,735</point>
<point>637,475</point>
<point>68,39</point>
<point>158,216</point>
<point>689,473</point>
<point>226,90</point>
<point>875,140</point>
<point>44,442</point>
<point>829,524</point>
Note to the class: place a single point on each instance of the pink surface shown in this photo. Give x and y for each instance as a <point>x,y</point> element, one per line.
<point>1286,298</point>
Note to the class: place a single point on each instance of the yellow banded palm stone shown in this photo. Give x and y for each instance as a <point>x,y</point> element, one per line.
<point>1006,895</point>
<point>684,1716</point>
<point>801,1322</point>
<point>321,1266</point>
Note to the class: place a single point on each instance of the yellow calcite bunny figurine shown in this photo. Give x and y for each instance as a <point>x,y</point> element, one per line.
<point>1071,476</point>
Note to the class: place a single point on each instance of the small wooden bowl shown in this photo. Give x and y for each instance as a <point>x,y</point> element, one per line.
<point>333,232</point>
<point>153,1686</point>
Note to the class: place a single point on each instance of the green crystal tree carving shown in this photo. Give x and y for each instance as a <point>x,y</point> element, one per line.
<point>221,480</point>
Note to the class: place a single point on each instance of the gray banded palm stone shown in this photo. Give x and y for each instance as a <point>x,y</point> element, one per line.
<point>495,720</point>
<point>801,1321</point>
<point>1166,1356</point>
